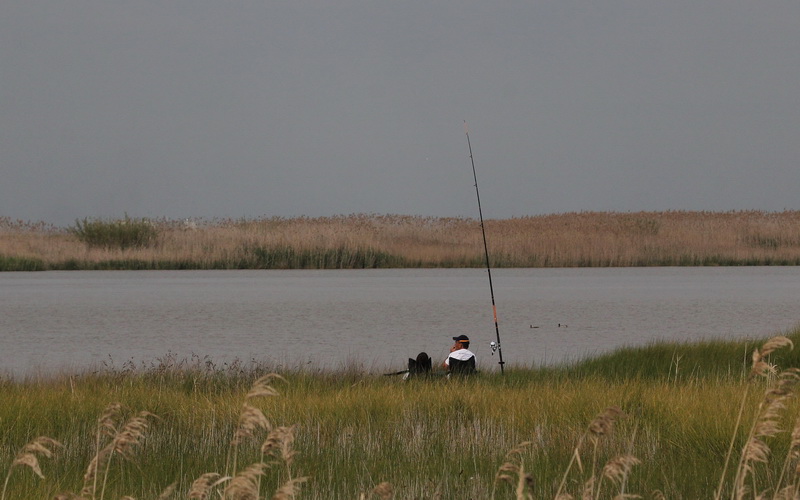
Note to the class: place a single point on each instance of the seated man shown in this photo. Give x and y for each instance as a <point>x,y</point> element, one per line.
<point>461,360</point>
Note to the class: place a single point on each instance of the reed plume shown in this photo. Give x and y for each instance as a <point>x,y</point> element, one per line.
<point>765,423</point>
<point>792,457</point>
<point>168,492</point>
<point>29,455</point>
<point>618,468</point>
<point>202,486</point>
<point>278,445</point>
<point>290,489</point>
<point>602,425</point>
<point>384,491</point>
<point>123,441</point>
<point>245,485</point>
<point>513,472</point>
<point>252,419</point>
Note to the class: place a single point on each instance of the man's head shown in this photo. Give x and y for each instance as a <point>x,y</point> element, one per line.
<point>463,340</point>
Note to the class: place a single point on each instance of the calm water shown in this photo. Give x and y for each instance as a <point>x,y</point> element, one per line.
<point>377,318</point>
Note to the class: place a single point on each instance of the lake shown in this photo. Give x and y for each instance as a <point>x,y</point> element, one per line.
<point>377,319</point>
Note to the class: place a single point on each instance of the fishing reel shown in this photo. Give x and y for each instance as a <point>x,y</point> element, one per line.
<point>494,346</point>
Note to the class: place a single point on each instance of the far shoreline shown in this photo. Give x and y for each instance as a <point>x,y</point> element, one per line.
<point>370,241</point>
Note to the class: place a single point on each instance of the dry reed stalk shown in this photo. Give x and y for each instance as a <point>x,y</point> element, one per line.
<point>384,491</point>
<point>251,419</point>
<point>792,456</point>
<point>279,444</point>
<point>617,469</point>
<point>290,489</point>
<point>512,471</point>
<point>123,441</point>
<point>245,485</point>
<point>766,425</point>
<point>106,427</point>
<point>28,456</point>
<point>168,492</point>
<point>202,486</point>
<point>766,421</point>
<point>263,388</point>
<point>760,368</point>
<point>601,426</point>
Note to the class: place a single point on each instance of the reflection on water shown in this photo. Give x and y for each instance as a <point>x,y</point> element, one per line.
<point>377,318</point>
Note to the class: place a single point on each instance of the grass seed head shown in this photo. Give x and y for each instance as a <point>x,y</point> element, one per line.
<point>263,388</point>
<point>28,460</point>
<point>384,491</point>
<point>604,423</point>
<point>776,343</point>
<point>131,434</point>
<point>28,455</point>
<point>245,485</point>
<point>290,489</point>
<point>762,368</point>
<point>168,491</point>
<point>279,444</point>
<point>618,468</point>
<point>108,420</point>
<point>250,420</point>
<point>201,487</point>
<point>588,489</point>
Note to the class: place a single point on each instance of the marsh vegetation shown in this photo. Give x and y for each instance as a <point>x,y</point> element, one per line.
<point>670,420</point>
<point>587,239</point>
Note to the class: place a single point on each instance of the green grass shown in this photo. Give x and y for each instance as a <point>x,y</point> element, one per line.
<point>120,233</point>
<point>432,438</point>
<point>21,264</point>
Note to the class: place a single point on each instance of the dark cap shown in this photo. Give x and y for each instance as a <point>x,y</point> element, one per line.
<point>461,338</point>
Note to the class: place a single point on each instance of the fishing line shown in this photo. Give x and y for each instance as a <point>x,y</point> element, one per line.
<point>494,345</point>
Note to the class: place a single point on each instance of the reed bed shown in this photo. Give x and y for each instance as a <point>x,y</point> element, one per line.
<point>575,431</point>
<point>382,241</point>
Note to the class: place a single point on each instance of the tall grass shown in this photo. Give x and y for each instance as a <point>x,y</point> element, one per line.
<point>576,431</point>
<point>370,241</point>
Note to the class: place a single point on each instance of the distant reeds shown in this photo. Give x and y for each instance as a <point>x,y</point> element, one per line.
<point>585,239</point>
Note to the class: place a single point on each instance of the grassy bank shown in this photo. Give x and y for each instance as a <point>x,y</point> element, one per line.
<point>378,241</point>
<point>658,421</point>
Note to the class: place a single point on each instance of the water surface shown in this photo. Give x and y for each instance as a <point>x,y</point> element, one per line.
<point>377,318</point>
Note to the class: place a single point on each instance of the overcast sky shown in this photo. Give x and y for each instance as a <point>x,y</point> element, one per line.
<point>244,108</point>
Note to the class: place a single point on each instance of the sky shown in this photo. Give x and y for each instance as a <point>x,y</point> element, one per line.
<point>244,108</point>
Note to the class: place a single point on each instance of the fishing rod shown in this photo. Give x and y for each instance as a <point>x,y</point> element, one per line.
<point>494,345</point>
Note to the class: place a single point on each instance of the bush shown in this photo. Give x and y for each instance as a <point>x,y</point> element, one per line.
<point>121,233</point>
<point>21,264</point>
